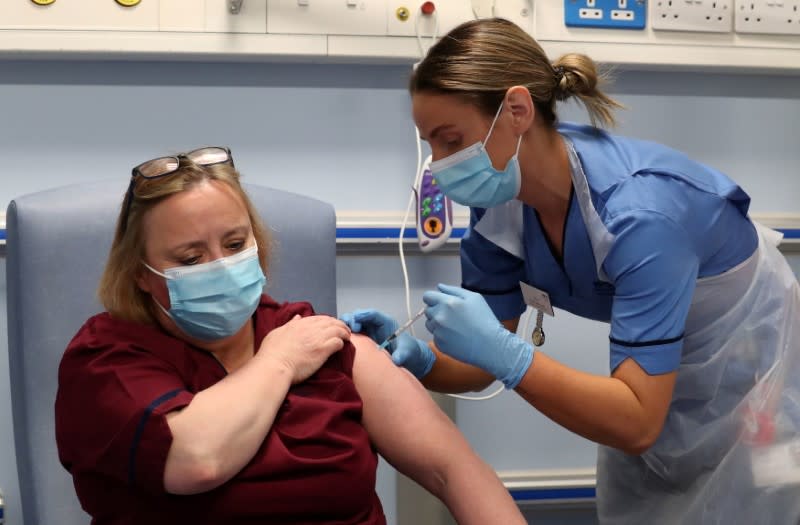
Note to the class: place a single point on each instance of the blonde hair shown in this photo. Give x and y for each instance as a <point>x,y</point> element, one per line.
<point>118,290</point>
<point>481,59</point>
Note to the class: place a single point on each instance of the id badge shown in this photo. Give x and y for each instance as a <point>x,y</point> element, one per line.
<point>540,300</point>
<point>536,298</point>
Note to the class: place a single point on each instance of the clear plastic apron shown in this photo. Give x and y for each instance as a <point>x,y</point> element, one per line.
<point>729,452</point>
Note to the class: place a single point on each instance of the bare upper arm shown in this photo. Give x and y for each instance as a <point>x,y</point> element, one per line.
<point>654,392</point>
<point>404,424</point>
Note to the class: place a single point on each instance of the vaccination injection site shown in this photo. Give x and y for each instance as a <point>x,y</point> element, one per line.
<point>400,262</point>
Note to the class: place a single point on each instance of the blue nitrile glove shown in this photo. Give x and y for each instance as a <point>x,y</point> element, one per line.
<point>413,354</point>
<point>407,351</point>
<point>373,323</point>
<point>465,328</point>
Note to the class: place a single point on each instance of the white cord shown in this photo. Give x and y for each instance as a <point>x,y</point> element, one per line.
<point>434,36</point>
<point>400,247</point>
<point>422,52</point>
<point>403,260</point>
<point>476,7</point>
<point>417,176</point>
<point>525,322</point>
<point>479,398</point>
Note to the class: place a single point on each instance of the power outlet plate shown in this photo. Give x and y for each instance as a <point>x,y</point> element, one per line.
<point>608,14</point>
<point>775,17</point>
<point>712,16</point>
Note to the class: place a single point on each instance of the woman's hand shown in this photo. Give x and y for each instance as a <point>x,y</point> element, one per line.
<point>303,344</point>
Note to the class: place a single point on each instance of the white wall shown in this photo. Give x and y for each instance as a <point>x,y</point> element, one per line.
<point>343,134</point>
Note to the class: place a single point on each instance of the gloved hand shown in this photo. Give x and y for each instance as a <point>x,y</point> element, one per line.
<point>413,354</point>
<point>373,323</point>
<point>465,328</point>
<point>407,351</point>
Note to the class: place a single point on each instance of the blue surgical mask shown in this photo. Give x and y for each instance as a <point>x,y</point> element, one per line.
<point>469,178</point>
<point>214,300</point>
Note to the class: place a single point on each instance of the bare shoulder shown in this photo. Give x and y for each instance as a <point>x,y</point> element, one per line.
<point>378,379</point>
<point>372,361</point>
<point>366,349</point>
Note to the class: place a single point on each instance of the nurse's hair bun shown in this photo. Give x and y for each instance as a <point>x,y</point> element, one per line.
<point>479,60</point>
<point>576,75</point>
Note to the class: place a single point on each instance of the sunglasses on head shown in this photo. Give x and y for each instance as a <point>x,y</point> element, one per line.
<point>163,166</point>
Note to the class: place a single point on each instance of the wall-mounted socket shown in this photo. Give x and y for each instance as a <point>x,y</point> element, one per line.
<point>714,16</point>
<point>777,17</point>
<point>608,14</point>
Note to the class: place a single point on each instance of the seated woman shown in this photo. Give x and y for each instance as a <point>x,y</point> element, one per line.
<point>196,399</point>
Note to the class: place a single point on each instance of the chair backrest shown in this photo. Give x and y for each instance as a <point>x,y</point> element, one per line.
<point>58,241</point>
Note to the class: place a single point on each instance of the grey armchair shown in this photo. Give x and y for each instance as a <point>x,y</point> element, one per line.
<point>57,244</point>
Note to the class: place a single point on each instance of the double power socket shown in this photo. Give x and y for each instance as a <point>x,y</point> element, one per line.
<point>609,14</point>
<point>779,17</point>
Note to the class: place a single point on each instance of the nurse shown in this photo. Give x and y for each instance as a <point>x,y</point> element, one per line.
<point>704,312</point>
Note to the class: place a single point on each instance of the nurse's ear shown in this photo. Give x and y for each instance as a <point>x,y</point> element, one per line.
<point>518,100</point>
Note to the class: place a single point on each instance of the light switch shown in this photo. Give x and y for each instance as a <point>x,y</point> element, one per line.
<point>352,3</point>
<point>302,3</point>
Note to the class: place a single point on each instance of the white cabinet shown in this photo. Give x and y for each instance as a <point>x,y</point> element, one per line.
<point>252,18</point>
<point>327,17</point>
<point>183,15</point>
<point>80,14</point>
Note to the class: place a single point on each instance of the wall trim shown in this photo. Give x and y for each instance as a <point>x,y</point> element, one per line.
<point>357,229</point>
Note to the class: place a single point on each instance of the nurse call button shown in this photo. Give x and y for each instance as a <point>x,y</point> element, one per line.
<point>433,226</point>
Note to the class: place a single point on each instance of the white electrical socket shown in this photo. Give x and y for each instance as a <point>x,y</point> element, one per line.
<point>591,14</point>
<point>777,17</point>
<point>619,14</point>
<point>714,16</point>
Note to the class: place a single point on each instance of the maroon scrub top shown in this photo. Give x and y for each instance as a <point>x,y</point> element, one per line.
<point>118,380</point>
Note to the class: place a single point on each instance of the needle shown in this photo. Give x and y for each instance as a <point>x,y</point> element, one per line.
<point>403,328</point>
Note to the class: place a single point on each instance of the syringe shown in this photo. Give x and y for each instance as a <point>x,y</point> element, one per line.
<point>403,328</point>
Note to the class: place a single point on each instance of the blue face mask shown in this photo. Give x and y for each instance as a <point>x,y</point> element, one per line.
<point>214,300</point>
<point>469,178</point>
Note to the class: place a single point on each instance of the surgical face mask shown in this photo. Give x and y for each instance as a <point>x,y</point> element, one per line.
<point>214,300</point>
<point>469,178</point>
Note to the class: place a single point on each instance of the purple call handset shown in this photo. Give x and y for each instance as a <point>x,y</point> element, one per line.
<point>434,211</point>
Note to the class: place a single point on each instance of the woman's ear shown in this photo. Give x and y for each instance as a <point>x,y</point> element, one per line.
<point>518,100</point>
<point>143,279</point>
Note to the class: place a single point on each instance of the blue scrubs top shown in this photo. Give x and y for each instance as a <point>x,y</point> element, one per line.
<point>672,221</point>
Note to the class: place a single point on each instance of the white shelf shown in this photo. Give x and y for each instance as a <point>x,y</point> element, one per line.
<point>247,47</point>
<point>683,57</point>
<point>205,30</point>
<point>142,36</point>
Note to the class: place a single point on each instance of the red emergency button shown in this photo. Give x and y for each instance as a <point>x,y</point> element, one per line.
<point>428,8</point>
